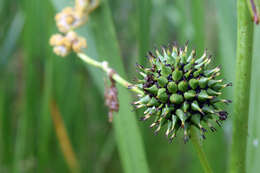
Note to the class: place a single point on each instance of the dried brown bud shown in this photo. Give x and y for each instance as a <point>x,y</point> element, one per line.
<point>111,97</point>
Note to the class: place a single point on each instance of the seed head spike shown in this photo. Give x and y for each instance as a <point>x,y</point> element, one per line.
<point>181,90</point>
<point>201,59</point>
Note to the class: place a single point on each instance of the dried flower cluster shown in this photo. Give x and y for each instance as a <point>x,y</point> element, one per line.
<point>111,97</point>
<point>181,91</point>
<point>63,44</point>
<point>67,20</point>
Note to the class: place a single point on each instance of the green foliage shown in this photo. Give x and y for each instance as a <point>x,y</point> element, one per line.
<point>132,156</point>
<point>143,27</point>
<point>254,120</point>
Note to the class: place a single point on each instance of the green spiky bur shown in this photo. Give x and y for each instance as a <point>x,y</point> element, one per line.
<point>180,91</point>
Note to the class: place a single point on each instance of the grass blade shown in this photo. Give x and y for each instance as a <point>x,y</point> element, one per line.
<point>253,150</point>
<point>35,46</point>
<point>126,130</point>
<point>143,18</point>
<point>197,8</point>
<point>132,156</point>
<point>11,38</point>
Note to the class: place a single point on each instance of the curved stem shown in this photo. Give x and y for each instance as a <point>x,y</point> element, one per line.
<point>195,139</point>
<point>110,72</point>
<point>242,88</point>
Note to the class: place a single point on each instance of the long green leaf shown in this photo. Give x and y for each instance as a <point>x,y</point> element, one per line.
<point>253,149</point>
<point>11,38</point>
<point>3,141</point>
<point>6,50</point>
<point>198,19</point>
<point>35,46</point>
<point>127,133</point>
<point>225,56</point>
<point>143,18</point>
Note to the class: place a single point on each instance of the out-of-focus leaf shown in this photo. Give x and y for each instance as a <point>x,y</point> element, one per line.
<point>127,133</point>
<point>126,130</point>
<point>143,31</point>
<point>198,20</point>
<point>2,121</point>
<point>6,49</point>
<point>10,40</point>
<point>253,144</point>
<point>105,153</point>
<point>35,48</point>
<point>226,44</point>
<point>226,18</point>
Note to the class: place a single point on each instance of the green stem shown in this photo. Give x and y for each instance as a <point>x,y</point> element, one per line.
<point>105,67</point>
<point>195,139</point>
<point>143,32</point>
<point>242,88</point>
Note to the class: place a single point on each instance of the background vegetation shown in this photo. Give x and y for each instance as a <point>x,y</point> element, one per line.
<point>121,31</point>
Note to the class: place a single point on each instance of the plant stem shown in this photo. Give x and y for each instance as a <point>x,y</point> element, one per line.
<point>242,88</point>
<point>195,139</point>
<point>105,67</point>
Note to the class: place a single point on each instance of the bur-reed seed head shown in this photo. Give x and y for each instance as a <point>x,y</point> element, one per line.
<point>181,90</point>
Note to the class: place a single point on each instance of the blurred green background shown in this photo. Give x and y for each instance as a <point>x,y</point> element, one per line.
<point>121,31</point>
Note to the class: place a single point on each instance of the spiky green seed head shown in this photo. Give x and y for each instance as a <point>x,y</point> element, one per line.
<point>181,90</point>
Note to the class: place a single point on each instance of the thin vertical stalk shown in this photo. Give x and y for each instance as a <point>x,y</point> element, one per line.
<point>63,138</point>
<point>242,88</point>
<point>200,152</point>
